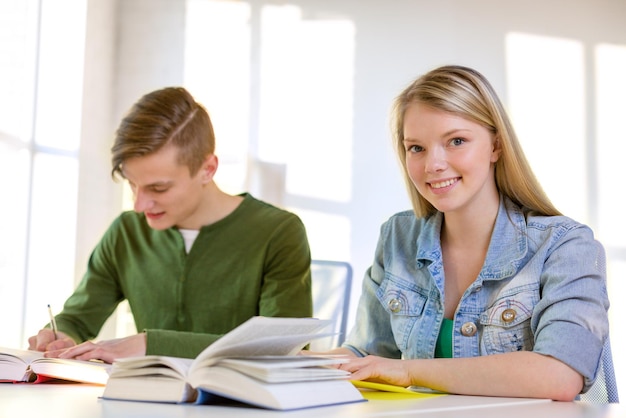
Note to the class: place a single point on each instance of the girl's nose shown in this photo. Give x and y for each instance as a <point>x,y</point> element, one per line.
<point>436,160</point>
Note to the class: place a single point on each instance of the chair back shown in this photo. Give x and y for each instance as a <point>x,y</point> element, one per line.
<point>604,389</point>
<point>331,287</point>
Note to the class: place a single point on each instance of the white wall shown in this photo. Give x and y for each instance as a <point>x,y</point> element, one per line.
<point>99,198</point>
<point>395,41</point>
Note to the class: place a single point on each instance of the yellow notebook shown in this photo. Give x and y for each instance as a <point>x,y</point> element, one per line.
<point>383,391</point>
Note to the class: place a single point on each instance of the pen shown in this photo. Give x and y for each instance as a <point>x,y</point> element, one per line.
<point>53,322</point>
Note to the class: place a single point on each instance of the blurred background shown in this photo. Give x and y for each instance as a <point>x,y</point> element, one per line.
<point>299,93</point>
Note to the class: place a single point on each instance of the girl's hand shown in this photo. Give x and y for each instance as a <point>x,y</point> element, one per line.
<point>379,369</point>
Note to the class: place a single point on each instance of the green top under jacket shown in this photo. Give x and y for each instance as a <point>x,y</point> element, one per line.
<point>256,261</point>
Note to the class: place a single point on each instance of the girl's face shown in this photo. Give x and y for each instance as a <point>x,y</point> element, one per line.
<point>449,159</point>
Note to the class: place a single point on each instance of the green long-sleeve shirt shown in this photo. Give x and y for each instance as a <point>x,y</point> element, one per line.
<point>255,261</point>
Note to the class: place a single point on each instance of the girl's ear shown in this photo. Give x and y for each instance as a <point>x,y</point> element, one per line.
<point>497,149</point>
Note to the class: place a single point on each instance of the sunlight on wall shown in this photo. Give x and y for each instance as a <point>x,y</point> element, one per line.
<point>610,67</point>
<point>546,101</point>
<point>217,73</point>
<point>288,108</point>
<point>306,101</point>
<point>60,87</point>
<point>611,149</point>
<point>305,119</point>
<point>328,234</point>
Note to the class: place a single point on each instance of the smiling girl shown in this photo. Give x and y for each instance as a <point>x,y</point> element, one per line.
<point>484,288</point>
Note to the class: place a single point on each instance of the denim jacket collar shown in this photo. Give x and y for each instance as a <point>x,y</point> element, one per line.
<point>507,247</point>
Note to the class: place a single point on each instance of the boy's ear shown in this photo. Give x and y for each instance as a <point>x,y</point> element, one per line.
<point>209,167</point>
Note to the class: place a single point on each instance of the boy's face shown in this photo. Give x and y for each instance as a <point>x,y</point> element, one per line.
<point>165,191</point>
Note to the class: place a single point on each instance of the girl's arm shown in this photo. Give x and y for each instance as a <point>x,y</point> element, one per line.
<point>518,374</point>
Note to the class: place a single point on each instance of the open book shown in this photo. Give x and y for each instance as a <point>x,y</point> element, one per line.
<point>32,367</point>
<point>256,363</point>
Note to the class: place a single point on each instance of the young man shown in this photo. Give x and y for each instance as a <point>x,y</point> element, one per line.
<point>192,261</point>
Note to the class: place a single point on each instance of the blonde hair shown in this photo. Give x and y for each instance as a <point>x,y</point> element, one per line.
<point>467,93</point>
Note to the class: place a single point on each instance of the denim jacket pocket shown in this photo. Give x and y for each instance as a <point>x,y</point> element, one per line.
<point>506,324</point>
<point>404,303</point>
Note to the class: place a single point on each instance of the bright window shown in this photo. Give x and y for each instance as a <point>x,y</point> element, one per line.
<point>40,102</point>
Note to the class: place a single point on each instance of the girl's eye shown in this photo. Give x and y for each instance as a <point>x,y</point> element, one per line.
<point>457,141</point>
<point>415,148</point>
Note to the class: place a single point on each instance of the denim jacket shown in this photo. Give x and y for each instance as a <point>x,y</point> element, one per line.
<point>542,288</point>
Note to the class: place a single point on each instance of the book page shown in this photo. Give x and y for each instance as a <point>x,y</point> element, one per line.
<point>14,364</point>
<point>18,356</point>
<point>151,364</point>
<point>282,362</point>
<point>275,369</point>
<point>264,336</point>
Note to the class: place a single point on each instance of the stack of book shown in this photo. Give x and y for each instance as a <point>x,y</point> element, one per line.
<point>257,363</point>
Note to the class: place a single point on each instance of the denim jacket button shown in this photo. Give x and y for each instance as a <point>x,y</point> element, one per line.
<point>468,329</point>
<point>395,305</point>
<point>508,315</point>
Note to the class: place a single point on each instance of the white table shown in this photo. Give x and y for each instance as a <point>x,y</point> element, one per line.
<point>74,401</point>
